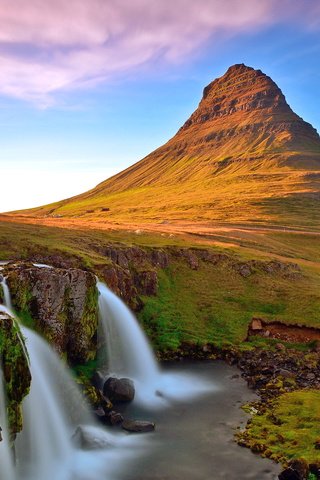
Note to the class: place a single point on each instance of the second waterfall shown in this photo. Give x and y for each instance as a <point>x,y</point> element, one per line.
<point>130,354</point>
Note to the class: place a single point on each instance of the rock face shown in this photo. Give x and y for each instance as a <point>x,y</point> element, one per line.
<point>246,94</point>
<point>119,389</point>
<point>133,271</point>
<point>17,377</point>
<point>62,303</point>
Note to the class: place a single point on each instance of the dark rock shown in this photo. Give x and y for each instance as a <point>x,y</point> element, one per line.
<point>119,389</point>
<point>315,470</point>
<point>300,466</point>
<point>97,380</point>
<point>115,418</point>
<point>138,426</point>
<point>244,270</point>
<point>146,282</point>
<point>159,258</point>
<point>290,474</point>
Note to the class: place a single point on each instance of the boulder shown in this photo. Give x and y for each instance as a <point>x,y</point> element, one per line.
<point>119,389</point>
<point>138,426</point>
<point>63,304</point>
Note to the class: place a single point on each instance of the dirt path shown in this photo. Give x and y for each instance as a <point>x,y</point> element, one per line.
<point>201,229</point>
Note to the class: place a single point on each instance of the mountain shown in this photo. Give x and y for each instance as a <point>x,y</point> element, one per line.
<point>242,157</point>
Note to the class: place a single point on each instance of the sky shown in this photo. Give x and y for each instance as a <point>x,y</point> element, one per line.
<point>89,87</point>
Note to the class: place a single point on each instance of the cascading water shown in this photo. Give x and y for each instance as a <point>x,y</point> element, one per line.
<point>6,460</point>
<point>51,412</point>
<point>129,354</point>
<point>6,293</point>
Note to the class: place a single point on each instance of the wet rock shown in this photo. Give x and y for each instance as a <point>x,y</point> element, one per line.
<point>300,466</point>
<point>91,438</point>
<point>290,474</point>
<point>115,418</point>
<point>138,426</point>
<point>99,412</point>
<point>62,303</point>
<point>97,380</point>
<point>16,373</point>
<point>119,389</point>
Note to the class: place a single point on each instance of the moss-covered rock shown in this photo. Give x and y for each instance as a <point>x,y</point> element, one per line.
<point>16,371</point>
<point>62,304</point>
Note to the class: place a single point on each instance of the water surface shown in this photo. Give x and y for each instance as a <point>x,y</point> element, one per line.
<point>194,439</point>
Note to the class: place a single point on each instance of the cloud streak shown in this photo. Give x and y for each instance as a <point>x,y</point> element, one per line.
<point>47,46</point>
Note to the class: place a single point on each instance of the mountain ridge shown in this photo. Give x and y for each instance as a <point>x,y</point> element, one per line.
<point>243,155</point>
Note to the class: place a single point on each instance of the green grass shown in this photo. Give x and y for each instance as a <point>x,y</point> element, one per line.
<point>83,247</point>
<point>289,428</point>
<point>215,305</point>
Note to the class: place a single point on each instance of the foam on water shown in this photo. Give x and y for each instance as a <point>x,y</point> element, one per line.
<point>130,354</point>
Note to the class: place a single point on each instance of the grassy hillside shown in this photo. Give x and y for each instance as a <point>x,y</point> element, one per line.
<point>211,304</point>
<point>243,156</point>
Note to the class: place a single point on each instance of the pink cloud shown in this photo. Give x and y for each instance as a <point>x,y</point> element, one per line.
<point>53,45</point>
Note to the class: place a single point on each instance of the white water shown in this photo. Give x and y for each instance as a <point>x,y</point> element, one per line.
<point>6,460</point>
<point>129,354</point>
<point>42,265</point>
<point>6,294</point>
<point>51,412</point>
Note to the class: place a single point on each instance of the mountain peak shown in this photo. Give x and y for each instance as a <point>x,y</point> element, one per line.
<point>241,90</point>
<point>241,156</point>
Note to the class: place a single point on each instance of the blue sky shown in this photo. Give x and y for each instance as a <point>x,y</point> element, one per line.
<point>63,129</point>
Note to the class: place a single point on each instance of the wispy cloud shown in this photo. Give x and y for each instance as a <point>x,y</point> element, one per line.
<point>51,45</point>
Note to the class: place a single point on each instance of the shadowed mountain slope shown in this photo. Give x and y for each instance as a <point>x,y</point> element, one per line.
<point>243,156</point>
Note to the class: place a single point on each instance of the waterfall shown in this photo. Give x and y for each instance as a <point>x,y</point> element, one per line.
<point>45,441</point>
<point>129,353</point>
<point>6,460</point>
<point>52,411</point>
<point>6,294</point>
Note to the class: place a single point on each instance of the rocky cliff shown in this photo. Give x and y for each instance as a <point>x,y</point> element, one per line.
<point>15,367</point>
<point>60,303</point>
